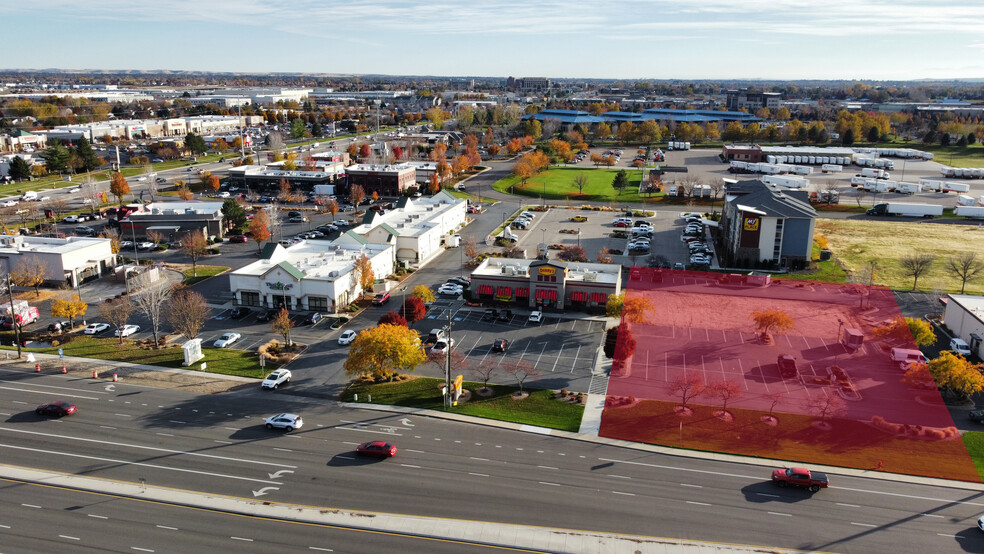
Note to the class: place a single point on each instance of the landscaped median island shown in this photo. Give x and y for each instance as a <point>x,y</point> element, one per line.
<point>543,408</point>
<point>218,360</point>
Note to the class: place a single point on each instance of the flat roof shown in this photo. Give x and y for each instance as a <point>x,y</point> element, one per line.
<point>315,259</point>
<point>21,244</point>
<point>606,274</point>
<point>416,216</point>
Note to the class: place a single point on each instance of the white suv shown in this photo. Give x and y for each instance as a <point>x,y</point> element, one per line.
<point>960,346</point>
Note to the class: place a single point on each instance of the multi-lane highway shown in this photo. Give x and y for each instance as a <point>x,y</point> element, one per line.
<point>217,444</point>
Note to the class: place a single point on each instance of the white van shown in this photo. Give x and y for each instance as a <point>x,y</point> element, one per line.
<point>904,357</point>
<point>29,195</point>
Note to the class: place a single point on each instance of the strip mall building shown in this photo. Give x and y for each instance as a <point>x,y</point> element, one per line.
<point>546,283</point>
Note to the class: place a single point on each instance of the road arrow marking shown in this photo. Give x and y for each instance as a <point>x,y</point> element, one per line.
<point>264,490</point>
<point>406,422</point>
<point>110,388</point>
<point>279,474</point>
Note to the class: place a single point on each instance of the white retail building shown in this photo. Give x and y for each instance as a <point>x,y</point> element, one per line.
<point>66,260</point>
<point>416,227</point>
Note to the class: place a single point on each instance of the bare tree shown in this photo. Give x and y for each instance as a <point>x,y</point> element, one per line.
<point>580,181</point>
<point>522,370</point>
<point>828,190</point>
<point>155,236</point>
<point>964,266</point>
<point>194,245</point>
<point>58,206</point>
<point>825,406</point>
<point>7,213</point>
<point>150,301</point>
<point>471,247</point>
<point>186,312</point>
<point>687,387</point>
<point>774,399</point>
<point>914,265</point>
<point>117,312</point>
<point>485,369</point>
<point>30,272</point>
<point>859,195</point>
<point>690,184</point>
<point>725,391</point>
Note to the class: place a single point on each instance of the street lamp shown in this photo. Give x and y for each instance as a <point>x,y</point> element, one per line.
<point>543,235</point>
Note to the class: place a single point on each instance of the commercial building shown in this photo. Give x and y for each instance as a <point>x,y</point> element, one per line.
<point>174,219</point>
<point>385,180</point>
<point>314,275</point>
<point>416,227</point>
<point>23,141</point>
<point>545,283</point>
<point>745,99</point>
<point>325,173</point>
<point>528,84</point>
<point>964,316</point>
<point>764,225</point>
<point>68,260</point>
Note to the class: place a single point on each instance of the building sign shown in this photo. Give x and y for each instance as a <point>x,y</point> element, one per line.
<point>751,224</point>
<point>279,286</point>
<point>548,270</point>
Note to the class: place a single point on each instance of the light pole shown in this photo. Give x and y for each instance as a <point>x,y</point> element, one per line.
<point>13,317</point>
<point>543,235</point>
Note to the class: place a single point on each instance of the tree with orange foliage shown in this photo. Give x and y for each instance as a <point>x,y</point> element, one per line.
<point>514,146</point>
<point>434,183</point>
<point>494,150</point>
<point>119,187</point>
<point>438,152</point>
<point>213,183</point>
<point>259,229</point>
<point>219,145</point>
<point>524,169</point>
<point>357,194</point>
<point>459,165</point>
<point>488,138</point>
<point>364,151</point>
<point>331,206</point>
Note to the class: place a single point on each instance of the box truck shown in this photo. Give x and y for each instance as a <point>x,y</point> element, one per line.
<point>907,188</point>
<point>955,187</point>
<point>973,212</point>
<point>787,181</point>
<point>874,173</point>
<point>831,168</point>
<point>931,185</point>
<point>906,209</point>
<point>966,200</point>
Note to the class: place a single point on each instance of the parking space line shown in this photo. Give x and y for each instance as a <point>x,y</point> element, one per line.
<point>703,367</point>
<point>577,354</point>
<point>557,358</point>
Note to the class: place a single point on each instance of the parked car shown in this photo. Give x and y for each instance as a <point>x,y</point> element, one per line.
<point>490,315</point>
<point>126,331</point>
<point>59,408</point>
<point>500,345</point>
<point>376,449</point>
<point>535,316</point>
<point>266,316</point>
<point>346,337</point>
<point>239,313</point>
<point>450,289</point>
<point>287,422</point>
<point>226,339</point>
<point>298,219</point>
<point>505,315</point>
<point>959,346</point>
<point>95,328</point>
<point>463,281</point>
<point>442,346</point>
<point>275,379</point>
<point>314,318</point>
<point>381,298</point>
<point>58,326</point>
<point>787,366</point>
<point>238,238</point>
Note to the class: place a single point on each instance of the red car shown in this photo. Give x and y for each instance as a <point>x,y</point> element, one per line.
<point>377,449</point>
<point>55,409</point>
<point>238,238</point>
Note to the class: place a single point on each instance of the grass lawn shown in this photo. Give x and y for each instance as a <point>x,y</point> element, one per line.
<point>974,441</point>
<point>848,443</point>
<point>856,242</point>
<point>540,408</point>
<point>829,271</point>
<point>201,273</point>
<point>219,360</point>
<point>558,183</point>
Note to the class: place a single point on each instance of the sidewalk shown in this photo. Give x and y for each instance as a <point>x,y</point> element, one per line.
<point>542,539</point>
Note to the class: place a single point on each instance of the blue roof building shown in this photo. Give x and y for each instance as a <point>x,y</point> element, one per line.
<point>662,115</point>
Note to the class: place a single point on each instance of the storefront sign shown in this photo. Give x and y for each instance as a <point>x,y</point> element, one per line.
<point>751,224</point>
<point>548,271</point>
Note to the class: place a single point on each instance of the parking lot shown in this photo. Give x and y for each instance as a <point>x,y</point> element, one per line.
<point>562,349</point>
<point>598,232</point>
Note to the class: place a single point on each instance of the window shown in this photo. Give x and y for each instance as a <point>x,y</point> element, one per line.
<point>317,303</point>
<point>249,298</point>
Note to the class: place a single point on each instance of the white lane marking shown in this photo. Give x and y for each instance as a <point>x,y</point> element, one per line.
<point>950,536</point>
<point>142,447</point>
<point>619,476</point>
<point>551,484</point>
<point>546,467</point>
<point>369,431</point>
<point>321,549</point>
<point>931,515</point>
<point>769,495</point>
<point>125,462</point>
<point>863,524</point>
<point>166,527</point>
<point>623,493</point>
<point>223,442</point>
<point>410,465</point>
<point>123,415</point>
<point>912,496</point>
<point>4,527</point>
<point>659,466</point>
<point>693,486</point>
<point>377,425</point>
<point>478,459</point>
<point>106,427</point>
<point>345,457</point>
<point>97,517</point>
<point>31,506</point>
<point>780,514</point>
<point>241,539</point>
<point>164,434</point>
<point>4,414</point>
<point>231,428</point>
<point>140,549</point>
<point>479,474</point>
<point>698,503</point>
<point>848,505</point>
<point>70,537</point>
<point>18,402</point>
<point>283,449</point>
<point>411,450</point>
<point>62,388</point>
<point>177,422</point>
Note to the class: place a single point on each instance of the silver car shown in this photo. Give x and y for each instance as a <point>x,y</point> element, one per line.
<point>287,422</point>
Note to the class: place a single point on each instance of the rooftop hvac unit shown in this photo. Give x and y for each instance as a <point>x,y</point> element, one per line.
<point>333,274</point>
<point>590,276</point>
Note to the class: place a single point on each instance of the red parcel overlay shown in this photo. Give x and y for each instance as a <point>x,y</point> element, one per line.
<point>843,406</point>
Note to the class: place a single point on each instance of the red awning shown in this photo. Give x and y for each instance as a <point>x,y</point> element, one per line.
<point>484,289</point>
<point>504,291</point>
<point>579,296</point>
<point>598,297</point>
<point>546,294</point>
<point>522,293</point>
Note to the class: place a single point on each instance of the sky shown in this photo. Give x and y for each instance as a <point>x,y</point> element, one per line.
<point>604,39</point>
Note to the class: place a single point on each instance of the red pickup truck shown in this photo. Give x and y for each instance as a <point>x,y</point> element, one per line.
<point>800,477</point>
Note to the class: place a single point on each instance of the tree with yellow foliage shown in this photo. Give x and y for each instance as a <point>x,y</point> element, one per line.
<point>424,293</point>
<point>70,309</point>
<point>769,321</point>
<point>381,352</point>
<point>953,371</point>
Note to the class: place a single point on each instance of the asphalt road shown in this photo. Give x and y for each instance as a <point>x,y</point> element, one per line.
<point>39,518</point>
<point>217,444</point>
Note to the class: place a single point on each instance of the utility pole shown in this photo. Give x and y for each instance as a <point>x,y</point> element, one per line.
<point>13,317</point>
<point>447,367</point>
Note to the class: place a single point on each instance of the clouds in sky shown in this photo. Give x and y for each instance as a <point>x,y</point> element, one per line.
<point>899,39</point>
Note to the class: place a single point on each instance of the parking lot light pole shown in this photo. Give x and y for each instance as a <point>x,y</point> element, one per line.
<point>447,367</point>
<point>543,235</point>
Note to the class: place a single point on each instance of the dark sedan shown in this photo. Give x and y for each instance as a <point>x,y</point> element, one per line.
<point>55,409</point>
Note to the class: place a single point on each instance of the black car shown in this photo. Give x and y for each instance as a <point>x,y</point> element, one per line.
<point>490,315</point>
<point>55,409</point>
<point>463,281</point>
<point>505,315</point>
<point>239,313</point>
<point>976,415</point>
<point>266,316</point>
<point>500,345</point>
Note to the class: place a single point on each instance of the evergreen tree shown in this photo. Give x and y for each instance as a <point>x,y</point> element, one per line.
<point>19,170</point>
<point>971,138</point>
<point>873,134</point>
<point>85,153</point>
<point>56,158</point>
<point>316,129</point>
<point>847,138</point>
<point>195,143</point>
<point>621,181</point>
